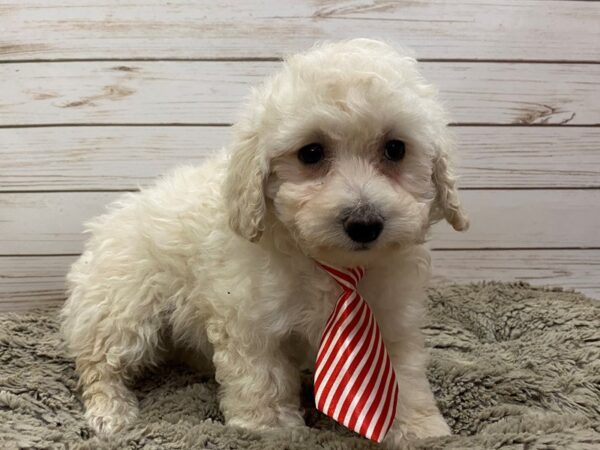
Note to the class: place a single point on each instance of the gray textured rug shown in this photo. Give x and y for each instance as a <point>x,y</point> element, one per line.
<point>512,366</point>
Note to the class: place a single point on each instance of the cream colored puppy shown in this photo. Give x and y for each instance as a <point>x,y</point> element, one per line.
<point>343,157</point>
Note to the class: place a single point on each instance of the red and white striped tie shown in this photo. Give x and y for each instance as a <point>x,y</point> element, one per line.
<point>355,383</point>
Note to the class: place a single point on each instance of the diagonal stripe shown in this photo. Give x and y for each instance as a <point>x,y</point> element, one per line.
<point>355,276</point>
<point>355,382</point>
<point>356,397</point>
<point>342,341</point>
<point>346,382</point>
<point>376,425</point>
<point>351,348</point>
<point>370,395</point>
<point>338,306</point>
<point>372,413</point>
<point>342,278</point>
<point>345,315</point>
<point>348,302</point>
<point>391,413</point>
<point>374,378</point>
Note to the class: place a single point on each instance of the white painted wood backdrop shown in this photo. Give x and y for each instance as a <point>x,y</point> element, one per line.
<point>100,97</point>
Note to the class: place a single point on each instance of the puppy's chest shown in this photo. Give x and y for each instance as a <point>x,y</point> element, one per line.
<point>311,303</point>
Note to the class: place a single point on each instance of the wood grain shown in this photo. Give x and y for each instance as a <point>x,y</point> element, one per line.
<point>84,158</point>
<point>33,281</point>
<point>528,157</point>
<point>572,269</point>
<point>51,222</point>
<point>526,219</point>
<point>213,92</point>
<point>28,282</point>
<point>480,29</point>
<point>117,76</point>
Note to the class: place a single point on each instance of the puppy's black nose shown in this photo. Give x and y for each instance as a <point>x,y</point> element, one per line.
<point>363,225</point>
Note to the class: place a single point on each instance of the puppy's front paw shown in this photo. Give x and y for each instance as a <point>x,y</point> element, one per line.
<point>418,427</point>
<point>290,417</point>
<point>395,440</point>
<point>106,426</point>
<point>268,418</point>
<point>426,426</point>
<point>107,421</point>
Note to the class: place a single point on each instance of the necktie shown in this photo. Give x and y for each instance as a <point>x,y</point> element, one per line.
<point>355,383</point>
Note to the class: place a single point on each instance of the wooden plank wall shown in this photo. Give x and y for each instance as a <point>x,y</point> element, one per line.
<point>97,98</point>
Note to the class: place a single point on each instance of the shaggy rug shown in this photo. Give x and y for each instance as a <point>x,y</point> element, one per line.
<point>512,366</point>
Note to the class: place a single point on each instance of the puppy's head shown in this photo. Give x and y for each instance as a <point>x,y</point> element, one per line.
<point>347,147</point>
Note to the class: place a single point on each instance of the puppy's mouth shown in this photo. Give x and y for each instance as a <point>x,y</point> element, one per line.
<point>361,247</point>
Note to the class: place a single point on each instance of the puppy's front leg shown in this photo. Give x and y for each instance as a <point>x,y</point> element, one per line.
<point>417,416</point>
<point>398,308</point>
<point>259,386</point>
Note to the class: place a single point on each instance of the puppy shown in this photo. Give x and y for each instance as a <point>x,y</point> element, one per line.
<point>341,157</point>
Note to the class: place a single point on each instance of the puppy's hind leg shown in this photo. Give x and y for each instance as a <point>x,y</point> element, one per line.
<point>110,349</point>
<point>109,405</point>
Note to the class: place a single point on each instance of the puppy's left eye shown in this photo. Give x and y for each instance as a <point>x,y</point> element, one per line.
<point>394,150</point>
<point>311,153</point>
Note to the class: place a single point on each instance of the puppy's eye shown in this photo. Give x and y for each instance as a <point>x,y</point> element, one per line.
<point>394,150</point>
<point>311,153</point>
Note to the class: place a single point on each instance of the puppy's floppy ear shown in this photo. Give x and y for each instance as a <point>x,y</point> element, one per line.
<point>244,185</point>
<point>447,203</point>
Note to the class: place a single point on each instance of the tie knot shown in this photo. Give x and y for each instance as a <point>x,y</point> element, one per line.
<point>347,278</point>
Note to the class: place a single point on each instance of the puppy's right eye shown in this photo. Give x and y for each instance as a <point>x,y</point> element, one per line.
<point>311,153</point>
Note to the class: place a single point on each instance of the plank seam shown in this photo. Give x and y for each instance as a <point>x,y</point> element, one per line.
<point>470,188</point>
<point>92,124</point>
<point>39,255</point>
<point>202,124</point>
<point>279,59</point>
<point>511,249</point>
<point>440,249</point>
<point>532,188</point>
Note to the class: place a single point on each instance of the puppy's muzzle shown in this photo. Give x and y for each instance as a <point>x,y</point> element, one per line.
<point>363,224</point>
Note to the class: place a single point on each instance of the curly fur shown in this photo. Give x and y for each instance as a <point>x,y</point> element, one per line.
<point>218,260</point>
